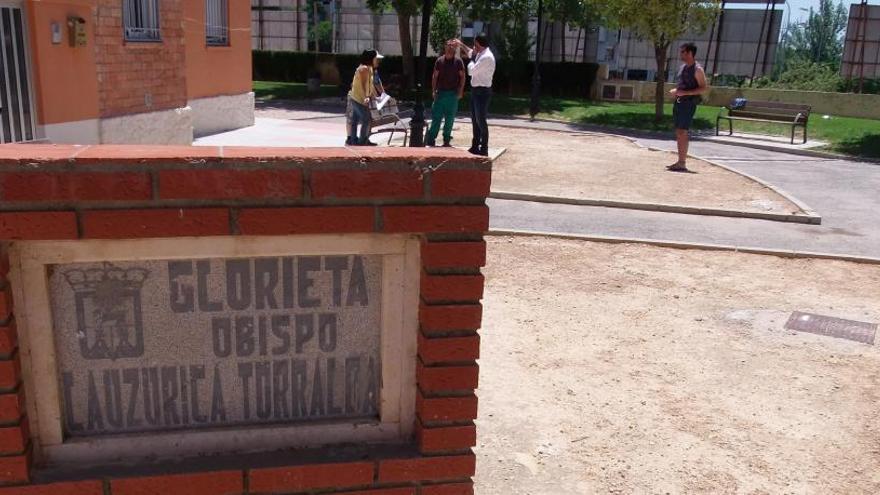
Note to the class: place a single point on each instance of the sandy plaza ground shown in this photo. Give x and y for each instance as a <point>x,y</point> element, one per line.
<point>604,167</point>
<point>634,369</point>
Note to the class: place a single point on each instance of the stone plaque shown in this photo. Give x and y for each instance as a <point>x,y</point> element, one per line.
<point>198,343</point>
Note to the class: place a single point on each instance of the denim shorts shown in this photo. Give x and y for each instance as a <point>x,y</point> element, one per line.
<point>683,112</point>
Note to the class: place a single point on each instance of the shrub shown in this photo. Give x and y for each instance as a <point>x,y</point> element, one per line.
<point>557,78</point>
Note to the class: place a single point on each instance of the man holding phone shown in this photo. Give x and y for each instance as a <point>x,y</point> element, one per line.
<point>482,70</point>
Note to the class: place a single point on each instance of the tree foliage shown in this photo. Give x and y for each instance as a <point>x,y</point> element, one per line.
<point>405,10</point>
<point>660,22</point>
<point>819,39</point>
<point>444,25</point>
<point>804,75</point>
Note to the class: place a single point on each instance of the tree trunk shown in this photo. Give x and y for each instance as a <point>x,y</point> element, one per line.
<point>406,49</point>
<point>586,35</point>
<point>562,39</point>
<point>660,89</point>
<point>315,22</point>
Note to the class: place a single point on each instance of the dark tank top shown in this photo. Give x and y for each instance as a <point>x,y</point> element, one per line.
<point>687,77</point>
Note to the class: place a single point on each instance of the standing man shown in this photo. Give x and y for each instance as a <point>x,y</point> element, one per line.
<point>482,69</point>
<point>691,84</point>
<point>448,85</point>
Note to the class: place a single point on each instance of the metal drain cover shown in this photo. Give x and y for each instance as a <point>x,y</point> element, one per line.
<point>858,331</point>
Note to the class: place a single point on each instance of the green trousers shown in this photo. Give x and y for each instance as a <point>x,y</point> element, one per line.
<point>444,109</point>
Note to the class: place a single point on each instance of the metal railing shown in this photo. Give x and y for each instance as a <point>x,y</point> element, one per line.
<point>141,20</point>
<point>216,23</point>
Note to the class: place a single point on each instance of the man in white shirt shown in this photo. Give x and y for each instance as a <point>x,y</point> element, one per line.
<point>482,69</point>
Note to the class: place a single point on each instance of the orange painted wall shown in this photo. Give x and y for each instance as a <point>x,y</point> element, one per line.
<point>213,71</point>
<point>65,77</point>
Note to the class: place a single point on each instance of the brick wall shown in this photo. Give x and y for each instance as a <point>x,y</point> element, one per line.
<point>132,73</point>
<point>70,192</point>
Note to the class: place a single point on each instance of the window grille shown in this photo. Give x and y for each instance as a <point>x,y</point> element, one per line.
<point>216,23</point>
<point>141,20</point>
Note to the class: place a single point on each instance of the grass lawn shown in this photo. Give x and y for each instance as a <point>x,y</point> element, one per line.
<point>858,137</point>
<point>269,90</point>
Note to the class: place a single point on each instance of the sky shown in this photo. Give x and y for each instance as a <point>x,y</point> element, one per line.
<point>798,15</point>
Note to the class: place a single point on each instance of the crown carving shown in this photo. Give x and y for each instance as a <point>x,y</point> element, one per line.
<point>92,278</point>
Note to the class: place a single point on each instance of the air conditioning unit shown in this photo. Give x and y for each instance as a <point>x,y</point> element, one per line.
<point>618,92</point>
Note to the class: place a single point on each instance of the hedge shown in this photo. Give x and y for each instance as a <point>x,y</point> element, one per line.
<point>557,78</point>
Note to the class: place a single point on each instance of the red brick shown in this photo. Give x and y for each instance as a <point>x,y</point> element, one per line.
<point>450,317</point>
<point>15,469</point>
<point>453,254</point>
<point>229,184</point>
<point>38,225</point>
<point>216,483</point>
<point>452,288</point>
<point>14,439</point>
<point>448,378</point>
<point>449,350</point>
<point>146,153</point>
<point>449,489</point>
<point>8,339</point>
<point>95,487</point>
<point>435,219</point>
<point>5,302</point>
<point>446,438</point>
<point>122,224</point>
<point>311,476</point>
<point>367,184</point>
<point>11,407</point>
<point>36,153</point>
<point>10,373</point>
<point>74,186</point>
<point>427,468</point>
<point>380,491</point>
<point>4,262</point>
<point>320,220</point>
<point>446,408</point>
<point>461,183</point>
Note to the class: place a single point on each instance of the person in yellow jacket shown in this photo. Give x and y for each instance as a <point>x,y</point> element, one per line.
<point>362,93</point>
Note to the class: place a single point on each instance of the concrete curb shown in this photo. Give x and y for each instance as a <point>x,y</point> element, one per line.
<point>799,152</point>
<point>809,213</point>
<point>661,207</point>
<point>782,253</point>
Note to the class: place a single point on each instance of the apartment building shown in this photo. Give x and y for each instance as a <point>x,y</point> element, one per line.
<point>124,71</point>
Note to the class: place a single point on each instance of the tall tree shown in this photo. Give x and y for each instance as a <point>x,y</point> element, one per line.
<point>444,26</point>
<point>819,39</point>
<point>660,22</point>
<point>564,12</point>
<point>406,10</point>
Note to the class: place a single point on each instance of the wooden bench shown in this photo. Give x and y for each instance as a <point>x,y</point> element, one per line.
<point>393,118</point>
<point>791,114</point>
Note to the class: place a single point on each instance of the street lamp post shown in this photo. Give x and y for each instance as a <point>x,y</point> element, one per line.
<point>417,124</point>
<point>535,105</point>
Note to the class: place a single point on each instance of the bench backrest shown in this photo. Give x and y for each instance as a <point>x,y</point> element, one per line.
<point>771,110</point>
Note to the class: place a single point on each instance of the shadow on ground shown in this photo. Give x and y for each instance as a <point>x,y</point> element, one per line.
<point>636,120</point>
<point>867,145</point>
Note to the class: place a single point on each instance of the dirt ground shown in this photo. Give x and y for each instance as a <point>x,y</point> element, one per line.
<point>634,369</point>
<point>596,166</point>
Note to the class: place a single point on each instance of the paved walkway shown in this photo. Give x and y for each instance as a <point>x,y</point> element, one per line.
<point>846,193</point>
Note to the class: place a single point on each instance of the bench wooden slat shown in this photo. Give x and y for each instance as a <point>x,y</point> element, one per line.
<point>793,114</point>
<point>767,116</point>
<point>763,119</point>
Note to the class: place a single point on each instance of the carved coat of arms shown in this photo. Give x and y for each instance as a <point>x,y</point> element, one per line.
<point>108,311</point>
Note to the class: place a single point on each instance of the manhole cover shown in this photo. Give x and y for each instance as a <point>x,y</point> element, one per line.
<point>858,331</point>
